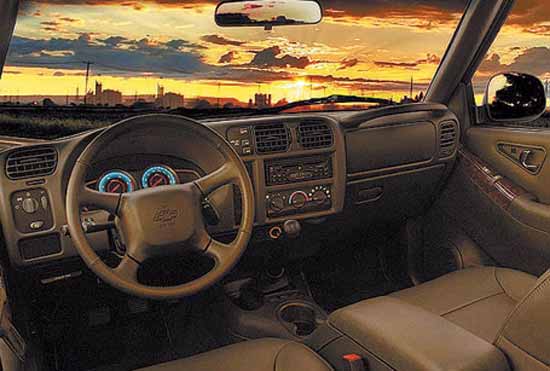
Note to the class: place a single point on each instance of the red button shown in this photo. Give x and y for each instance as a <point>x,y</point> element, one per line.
<point>352,357</point>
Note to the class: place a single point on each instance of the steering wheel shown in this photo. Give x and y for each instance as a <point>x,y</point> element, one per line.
<point>160,221</point>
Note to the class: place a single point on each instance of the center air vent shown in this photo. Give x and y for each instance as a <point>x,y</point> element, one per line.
<point>31,162</point>
<point>271,138</point>
<point>448,138</point>
<point>313,135</point>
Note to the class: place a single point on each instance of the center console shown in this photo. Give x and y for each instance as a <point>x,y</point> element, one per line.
<point>297,164</point>
<point>386,333</point>
<point>275,306</point>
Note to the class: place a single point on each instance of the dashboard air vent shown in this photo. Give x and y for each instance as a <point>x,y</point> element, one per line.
<point>272,138</point>
<point>313,135</point>
<point>447,138</point>
<point>31,162</point>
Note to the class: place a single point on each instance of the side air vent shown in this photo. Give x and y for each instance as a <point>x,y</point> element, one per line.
<point>313,135</point>
<point>447,138</point>
<point>31,162</point>
<point>272,138</point>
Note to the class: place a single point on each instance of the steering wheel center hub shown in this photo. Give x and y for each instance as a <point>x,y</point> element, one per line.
<point>154,219</point>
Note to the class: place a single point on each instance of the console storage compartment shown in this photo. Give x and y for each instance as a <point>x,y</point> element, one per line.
<point>392,335</point>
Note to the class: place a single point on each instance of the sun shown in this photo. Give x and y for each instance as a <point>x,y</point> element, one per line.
<point>296,89</point>
<point>299,84</point>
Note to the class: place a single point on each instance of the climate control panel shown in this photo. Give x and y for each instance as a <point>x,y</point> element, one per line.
<point>296,201</point>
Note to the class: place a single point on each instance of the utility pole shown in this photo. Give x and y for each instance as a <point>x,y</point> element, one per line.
<point>412,87</point>
<point>88,64</point>
<point>219,93</point>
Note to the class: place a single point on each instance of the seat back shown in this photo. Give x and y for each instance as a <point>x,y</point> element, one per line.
<point>525,336</point>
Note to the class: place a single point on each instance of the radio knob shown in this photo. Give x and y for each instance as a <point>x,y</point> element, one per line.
<point>277,203</point>
<point>319,197</point>
<point>298,199</point>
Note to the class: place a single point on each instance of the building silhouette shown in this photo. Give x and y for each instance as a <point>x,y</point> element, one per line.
<point>168,100</point>
<point>262,100</point>
<point>102,97</point>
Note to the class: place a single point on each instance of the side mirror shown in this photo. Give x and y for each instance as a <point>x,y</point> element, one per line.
<point>268,13</point>
<point>514,97</point>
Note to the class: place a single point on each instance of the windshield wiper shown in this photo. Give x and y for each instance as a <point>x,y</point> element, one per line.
<point>336,98</point>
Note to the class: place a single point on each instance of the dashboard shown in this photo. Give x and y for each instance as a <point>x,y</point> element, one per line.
<point>305,167</point>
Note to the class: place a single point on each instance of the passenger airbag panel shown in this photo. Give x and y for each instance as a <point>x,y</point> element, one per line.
<point>389,146</point>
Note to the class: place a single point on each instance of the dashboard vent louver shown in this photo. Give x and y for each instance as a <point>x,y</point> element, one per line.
<point>272,138</point>
<point>447,138</point>
<point>31,162</point>
<point>312,135</point>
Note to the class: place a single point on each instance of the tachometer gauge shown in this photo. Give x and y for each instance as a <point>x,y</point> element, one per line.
<point>116,181</point>
<point>160,175</point>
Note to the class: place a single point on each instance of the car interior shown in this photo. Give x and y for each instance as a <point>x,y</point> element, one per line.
<point>411,236</point>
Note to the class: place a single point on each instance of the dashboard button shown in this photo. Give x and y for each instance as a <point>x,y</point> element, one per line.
<point>30,205</point>
<point>36,225</point>
<point>319,197</point>
<point>277,203</point>
<point>44,202</point>
<point>298,199</point>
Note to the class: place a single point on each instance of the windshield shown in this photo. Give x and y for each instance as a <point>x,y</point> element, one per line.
<point>171,55</point>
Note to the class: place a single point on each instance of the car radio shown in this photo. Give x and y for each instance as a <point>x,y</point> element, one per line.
<point>288,171</point>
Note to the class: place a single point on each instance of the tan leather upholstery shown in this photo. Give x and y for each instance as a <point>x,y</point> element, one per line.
<point>477,299</point>
<point>525,337</point>
<point>256,355</point>
<point>407,337</point>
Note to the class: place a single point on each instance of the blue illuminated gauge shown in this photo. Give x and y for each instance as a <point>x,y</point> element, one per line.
<point>116,181</point>
<point>157,176</point>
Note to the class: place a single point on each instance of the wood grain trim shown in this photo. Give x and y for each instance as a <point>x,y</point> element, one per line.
<point>500,190</point>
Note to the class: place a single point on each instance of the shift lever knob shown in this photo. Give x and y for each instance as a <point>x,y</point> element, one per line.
<point>292,228</point>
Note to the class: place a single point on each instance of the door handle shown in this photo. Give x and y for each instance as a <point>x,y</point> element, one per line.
<point>524,161</point>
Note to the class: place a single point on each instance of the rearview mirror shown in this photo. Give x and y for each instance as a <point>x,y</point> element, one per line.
<point>514,97</point>
<point>268,13</point>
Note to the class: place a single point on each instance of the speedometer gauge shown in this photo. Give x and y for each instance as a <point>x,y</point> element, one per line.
<point>116,181</point>
<point>160,175</point>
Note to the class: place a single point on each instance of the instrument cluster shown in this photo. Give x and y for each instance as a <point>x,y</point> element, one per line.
<point>122,181</point>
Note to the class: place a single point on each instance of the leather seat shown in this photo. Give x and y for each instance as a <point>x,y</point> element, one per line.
<point>477,299</point>
<point>257,355</point>
<point>505,307</point>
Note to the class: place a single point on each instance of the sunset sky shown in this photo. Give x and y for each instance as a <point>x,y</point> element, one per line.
<point>360,47</point>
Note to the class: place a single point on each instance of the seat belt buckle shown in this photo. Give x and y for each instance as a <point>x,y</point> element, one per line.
<point>354,362</point>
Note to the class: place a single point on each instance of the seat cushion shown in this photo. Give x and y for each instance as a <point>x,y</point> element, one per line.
<point>257,355</point>
<point>476,299</point>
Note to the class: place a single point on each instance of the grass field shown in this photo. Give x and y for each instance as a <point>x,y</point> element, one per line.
<point>34,127</point>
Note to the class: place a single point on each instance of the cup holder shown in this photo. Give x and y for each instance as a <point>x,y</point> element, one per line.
<point>301,318</point>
